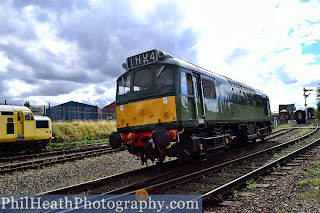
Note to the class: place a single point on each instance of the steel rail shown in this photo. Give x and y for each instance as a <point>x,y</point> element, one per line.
<point>189,177</point>
<point>55,152</point>
<point>226,188</point>
<point>110,179</point>
<point>103,181</point>
<point>34,164</point>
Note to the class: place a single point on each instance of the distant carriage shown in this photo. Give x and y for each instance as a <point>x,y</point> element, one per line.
<point>300,116</point>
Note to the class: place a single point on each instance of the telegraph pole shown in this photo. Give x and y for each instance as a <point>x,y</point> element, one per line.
<point>305,101</point>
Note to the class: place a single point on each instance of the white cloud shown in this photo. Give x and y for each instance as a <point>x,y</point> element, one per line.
<point>261,29</point>
<point>80,44</point>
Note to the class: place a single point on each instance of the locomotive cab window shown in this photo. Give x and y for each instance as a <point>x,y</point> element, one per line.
<point>186,84</point>
<point>164,76</point>
<point>142,80</point>
<point>27,116</point>
<point>124,85</point>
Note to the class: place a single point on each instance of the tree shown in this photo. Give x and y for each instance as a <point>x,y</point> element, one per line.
<point>27,104</point>
<point>318,103</point>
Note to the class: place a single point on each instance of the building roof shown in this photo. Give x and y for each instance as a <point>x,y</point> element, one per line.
<point>112,105</point>
<point>13,108</point>
<point>75,103</point>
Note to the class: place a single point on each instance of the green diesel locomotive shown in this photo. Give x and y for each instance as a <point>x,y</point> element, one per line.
<point>169,107</point>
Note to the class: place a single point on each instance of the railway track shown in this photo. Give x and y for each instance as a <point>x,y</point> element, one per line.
<point>145,177</point>
<point>58,151</point>
<point>51,158</point>
<point>216,181</point>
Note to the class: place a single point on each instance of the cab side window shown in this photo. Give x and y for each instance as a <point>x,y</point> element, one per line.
<point>27,116</point>
<point>124,85</point>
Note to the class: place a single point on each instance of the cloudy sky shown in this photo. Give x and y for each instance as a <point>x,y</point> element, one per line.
<point>61,50</point>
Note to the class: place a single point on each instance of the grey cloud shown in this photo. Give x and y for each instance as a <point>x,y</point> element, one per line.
<point>237,53</point>
<point>58,5</point>
<point>13,24</point>
<point>108,37</point>
<point>102,102</point>
<point>53,88</point>
<point>104,36</point>
<point>98,90</point>
<point>47,66</point>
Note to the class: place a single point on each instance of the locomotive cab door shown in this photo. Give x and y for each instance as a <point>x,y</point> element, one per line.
<point>197,98</point>
<point>20,126</point>
<point>188,103</point>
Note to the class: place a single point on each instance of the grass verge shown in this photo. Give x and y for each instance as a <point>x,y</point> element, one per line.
<point>77,133</point>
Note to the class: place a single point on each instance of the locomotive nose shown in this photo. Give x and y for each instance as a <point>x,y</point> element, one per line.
<point>160,137</point>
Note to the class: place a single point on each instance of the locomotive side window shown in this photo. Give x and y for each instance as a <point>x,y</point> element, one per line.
<point>10,128</point>
<point>42,124</point>
<point>27,116</point>
<point>164,76</point>
<point>124,85</point>
<point>6,113</point>
<point>142,80</point>
<point>209,89</point>
<point>18,116</point>
<point>186,84</point>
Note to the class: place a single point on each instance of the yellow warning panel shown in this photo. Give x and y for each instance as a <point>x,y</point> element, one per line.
<point>147,112</point>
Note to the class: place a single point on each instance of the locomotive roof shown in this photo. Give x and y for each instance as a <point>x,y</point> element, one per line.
<point>13,108</point>
<point>169,59</point>
<point>41,118</point>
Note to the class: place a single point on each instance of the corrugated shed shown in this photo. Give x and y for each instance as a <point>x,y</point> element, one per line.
<point>74,111</point>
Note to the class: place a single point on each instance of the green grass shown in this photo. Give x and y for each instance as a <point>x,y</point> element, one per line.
<point>250,184</point>
<point>77,133</point>
<point>285,125</point>
<point>312,185</point>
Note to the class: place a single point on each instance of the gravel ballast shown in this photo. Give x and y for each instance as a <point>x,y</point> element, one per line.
<point>69,173</point>
<point>285,194</point>
<point>280,196</point>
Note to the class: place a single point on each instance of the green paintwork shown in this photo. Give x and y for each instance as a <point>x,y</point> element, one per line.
<point>234,103</point>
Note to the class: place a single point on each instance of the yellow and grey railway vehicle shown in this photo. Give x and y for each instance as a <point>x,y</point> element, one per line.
<point>169,107</point>
<point>20,130</point>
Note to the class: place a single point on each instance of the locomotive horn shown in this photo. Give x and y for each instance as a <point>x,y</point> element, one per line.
<point>125,66</point>
<point>162,55</point>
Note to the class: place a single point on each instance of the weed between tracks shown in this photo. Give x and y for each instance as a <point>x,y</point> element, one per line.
<point>251,184</point>
<point>312,185</point>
